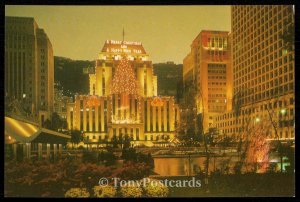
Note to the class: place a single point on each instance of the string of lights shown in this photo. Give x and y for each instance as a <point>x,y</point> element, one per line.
<point>124,81</point>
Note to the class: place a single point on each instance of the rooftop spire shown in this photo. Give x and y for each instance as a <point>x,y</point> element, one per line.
<point>123,33</point>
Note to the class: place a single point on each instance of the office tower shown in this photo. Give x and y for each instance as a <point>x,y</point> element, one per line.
<point>263,69</point>
<point>29,67</point>
<point>208,68</point>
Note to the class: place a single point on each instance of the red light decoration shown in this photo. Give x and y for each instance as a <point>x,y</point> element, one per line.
<point>93,102</point>
<point>204,40</point>
<point>157,102</point>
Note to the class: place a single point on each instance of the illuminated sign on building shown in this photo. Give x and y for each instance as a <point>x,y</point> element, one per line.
<point>128,47</point>
<point>124,42</point>
<point>123,50</point>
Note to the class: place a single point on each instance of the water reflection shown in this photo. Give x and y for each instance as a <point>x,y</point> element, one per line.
<point>186,166</point>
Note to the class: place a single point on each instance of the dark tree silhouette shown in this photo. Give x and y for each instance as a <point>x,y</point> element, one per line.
<point>76,137</point>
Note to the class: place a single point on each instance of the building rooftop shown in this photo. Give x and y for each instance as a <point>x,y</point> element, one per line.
<point>17,131</point>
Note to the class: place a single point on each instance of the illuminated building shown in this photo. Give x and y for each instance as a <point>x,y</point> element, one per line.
<point>60,102</point>
<point>29,66</point>
<point>263,69</point>
<point>208,67</point>
<point>123,99</point>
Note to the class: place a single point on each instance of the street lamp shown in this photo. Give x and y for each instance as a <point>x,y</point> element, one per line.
<point>283,111</point>
<point>257,119</point>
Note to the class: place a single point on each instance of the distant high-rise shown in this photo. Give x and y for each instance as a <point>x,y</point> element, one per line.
<point>29,66</point>
<point>263,69</point>
<point>208,68</point>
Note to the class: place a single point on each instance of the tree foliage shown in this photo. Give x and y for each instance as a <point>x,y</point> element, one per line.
<point>62,69</point>
<point>55,122</point>
<point>256,149</point>
<point>76,136</point>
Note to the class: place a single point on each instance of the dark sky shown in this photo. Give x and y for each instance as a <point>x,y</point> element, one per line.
<point>79,32</point>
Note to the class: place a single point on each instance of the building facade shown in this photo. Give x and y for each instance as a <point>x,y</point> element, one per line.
<point>263,70</point>
<point>29,66</point>
<point>208,68</point>
<point>123,99</point>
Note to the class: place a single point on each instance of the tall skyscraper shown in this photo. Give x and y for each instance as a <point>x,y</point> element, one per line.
<point>208,67</point>
<point>263,69</point>
<point>123,99</point>
<point>29,66</point>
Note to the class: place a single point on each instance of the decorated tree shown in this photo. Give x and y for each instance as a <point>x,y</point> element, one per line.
<point>124,82</point>
<point>257,149</point>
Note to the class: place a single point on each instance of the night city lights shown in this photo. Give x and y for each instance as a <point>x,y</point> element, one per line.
<point>181,101</point>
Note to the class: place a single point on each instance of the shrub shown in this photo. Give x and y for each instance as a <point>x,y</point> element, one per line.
<point>88,174</point>
<point>132,171</point>
<point>107,157</point>
<point>104,191</point>
<point>89,157</point>
<point>35,179</point>
<point>77,193</point>
<point>41,178</point>
<point>154,188</point>
<point>132,191</point>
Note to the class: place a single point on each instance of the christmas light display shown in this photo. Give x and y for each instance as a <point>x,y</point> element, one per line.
<point>121,90</point>
<point>124,82</point>
<point>157,102</point>
<point>258,149</point>
<point>92,102</point>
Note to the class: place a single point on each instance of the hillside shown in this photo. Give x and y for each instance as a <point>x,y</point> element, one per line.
<point>168,77</point>
<point>69,73</point>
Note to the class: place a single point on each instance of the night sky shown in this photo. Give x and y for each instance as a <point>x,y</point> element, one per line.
<point>166,32</point>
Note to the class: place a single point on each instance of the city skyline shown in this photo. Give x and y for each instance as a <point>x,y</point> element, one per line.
<point>99,23</point>
<point>127,120</point>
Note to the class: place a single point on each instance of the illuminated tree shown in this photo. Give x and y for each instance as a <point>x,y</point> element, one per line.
<point>257,148</point>
<point>124,82</point>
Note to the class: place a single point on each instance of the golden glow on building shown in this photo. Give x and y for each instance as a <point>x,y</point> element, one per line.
<point>208,66</point>
<point>263,69</point>
<point>25,129</point>
<point>123,98</point>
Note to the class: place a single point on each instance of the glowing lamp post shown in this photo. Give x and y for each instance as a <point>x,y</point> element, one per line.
<point>283,111</point>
